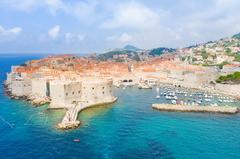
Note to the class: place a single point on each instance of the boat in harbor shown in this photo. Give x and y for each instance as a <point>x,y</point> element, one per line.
<point>158,95</point>
<point>144,86</point>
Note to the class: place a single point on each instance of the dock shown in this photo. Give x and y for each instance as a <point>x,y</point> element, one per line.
<point>201,109</point>
<point>70,120</point>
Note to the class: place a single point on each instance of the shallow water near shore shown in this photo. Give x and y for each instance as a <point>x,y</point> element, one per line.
<point>130,128</point>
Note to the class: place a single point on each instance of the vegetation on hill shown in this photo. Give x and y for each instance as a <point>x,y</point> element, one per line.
<point>220,66</point>
<point>109,55</point>
<point>231,78</point>
<point>204,54</point>
<point>237,57</point>
<point>237,36</point>
<point>131,48</point>
<point>160,51</point>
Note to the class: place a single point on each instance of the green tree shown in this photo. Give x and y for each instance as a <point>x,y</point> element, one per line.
<point>204,54</point>
<point>230,78</point>
<point>222,64</point>
<point>228,51</point>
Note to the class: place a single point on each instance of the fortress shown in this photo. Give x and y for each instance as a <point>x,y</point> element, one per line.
<point>73,93</point>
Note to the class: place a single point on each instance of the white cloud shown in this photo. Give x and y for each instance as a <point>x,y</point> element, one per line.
<point>125,37</point>
<point>132,15</point>
<point>83,10</point>
<point>147,24</point>
<point>29,5</point>
<point>11,31</point>
<point>24,5</point>
<point>54,32</point>
<point>70,37</point>
<point>9,34</point>
<point>55,5</point>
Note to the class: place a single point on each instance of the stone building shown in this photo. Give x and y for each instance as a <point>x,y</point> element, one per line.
<point>40,87</point>
<point>66,94</point>
<point>21,87</point>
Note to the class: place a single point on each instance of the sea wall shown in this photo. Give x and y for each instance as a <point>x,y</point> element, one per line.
<point>184,108</point>
<point>21,87</point>
<point>39,87</point>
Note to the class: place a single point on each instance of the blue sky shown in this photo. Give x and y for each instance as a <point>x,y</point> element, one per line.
<point>85,26</point>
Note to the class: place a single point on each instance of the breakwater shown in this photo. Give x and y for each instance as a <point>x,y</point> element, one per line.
<point>203,109</point>
<point>70,120</point>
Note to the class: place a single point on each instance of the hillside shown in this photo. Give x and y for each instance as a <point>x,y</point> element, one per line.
<point>213,53</point>
<point>131,48</point>
<point>118,55</point>
<point>236,36</point>
<point>160,51</point>
<point>130,52</point>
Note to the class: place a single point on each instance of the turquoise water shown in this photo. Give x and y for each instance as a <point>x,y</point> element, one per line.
<point>127,129</point>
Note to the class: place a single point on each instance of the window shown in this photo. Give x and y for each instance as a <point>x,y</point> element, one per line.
<point>102,92</point>
<point>93,88</point>
<point>78,92</point>
<point>102,87</point>
<point>73,93</point>
<point>66,94</point>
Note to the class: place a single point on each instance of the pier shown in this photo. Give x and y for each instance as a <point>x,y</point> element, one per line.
<point>202,109</point>
<point>70,120</point>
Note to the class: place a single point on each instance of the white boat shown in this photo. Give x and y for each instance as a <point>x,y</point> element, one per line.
<point>175,97</point>
<point>157,90</point>
<point>174,101</point>
<point>214,105</point>
<point>144,86</point>
<point>199,102</point>
<point>208,100</point>
<point>168,97</point>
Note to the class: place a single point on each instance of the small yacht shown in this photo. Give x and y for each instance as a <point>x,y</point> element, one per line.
<point>157,90</point>
<point>208,100</point>
<point>144,86</point>
<point>174,101</point>
<point>214,105</point>
<point>199,102</point>
<point>168,97</point>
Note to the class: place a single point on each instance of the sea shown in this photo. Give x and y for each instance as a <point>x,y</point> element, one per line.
<point>127,129</point>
